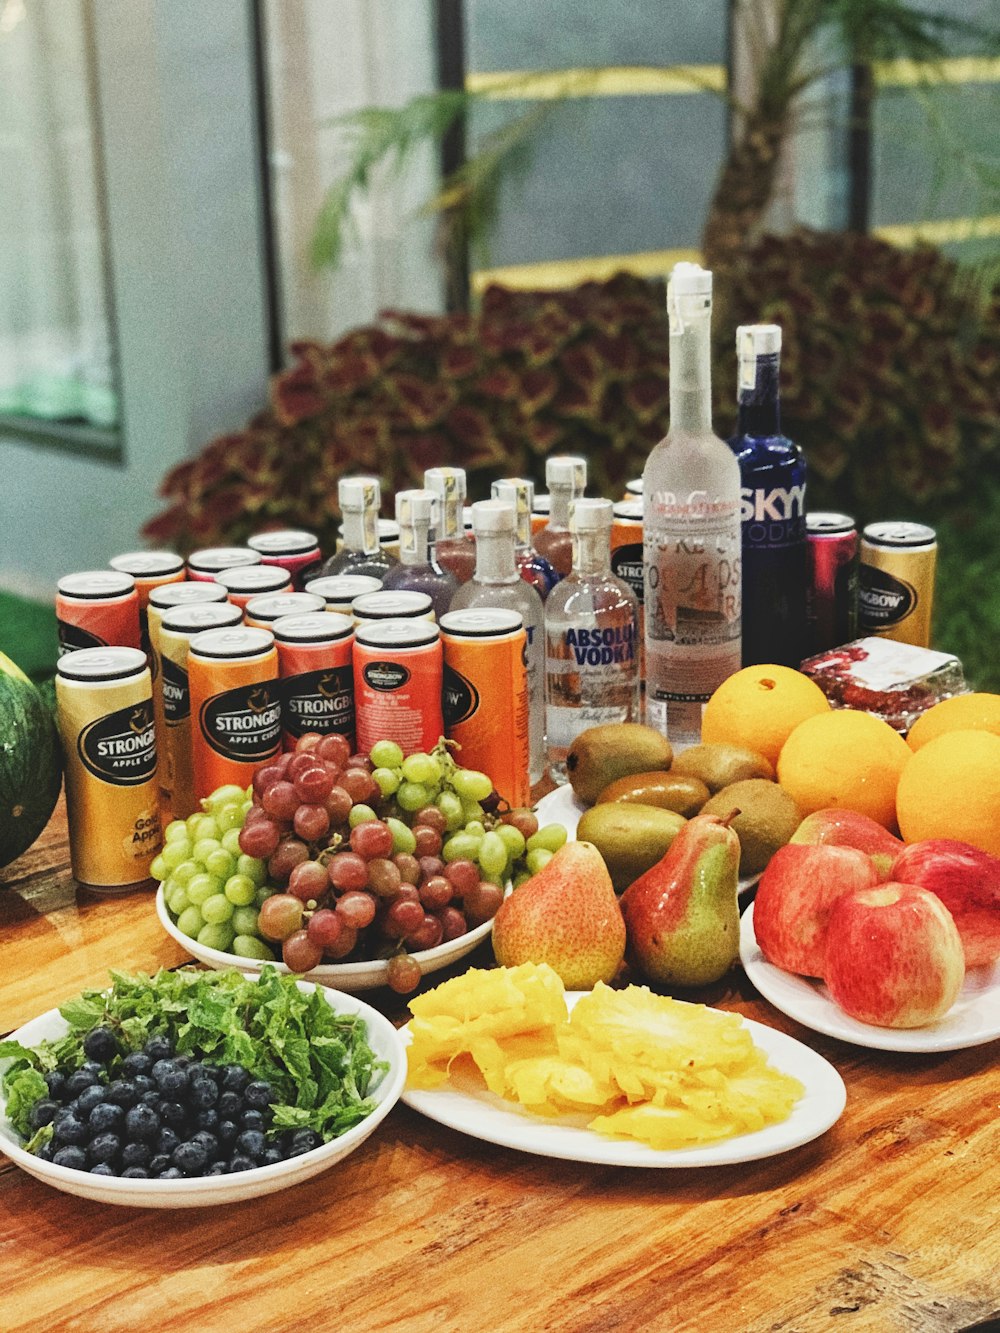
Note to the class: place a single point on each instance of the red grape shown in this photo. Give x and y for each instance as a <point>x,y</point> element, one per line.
<point>334,748</point>
<point>482,902</point>
<point>428,840</point>
<point>431,817</point>
<point>265,777</point>
<point>408,866</point>
<point>338,803</point>
<point>357,909</point>
<point>361,761</point>
<point>384,877</point>
<point>281,762</point>
<point>453,923</point>
<point>523,820</point>
<point>431,865</point>
<point>260,838</point>
<point>403,916</point>
<point>311,822</point>
<point>300,953</point>
<point>428,935</point>
<point>314,783</point>
<point>326,928</point>
<point>308,881</point>
<point>372,838</point>
<point>298,762</point>
<point>280,916</point>
<point>347,871</point>
<point>287,856</point>
<point>280,800</point>
<point>360,786</point>
<point>345,945</point>
<point>403,973</point>
<point>462,875</point>
<point>308,741</point>
<point>435,893</point>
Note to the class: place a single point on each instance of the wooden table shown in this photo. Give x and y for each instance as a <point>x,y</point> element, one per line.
<point>888,1222</point>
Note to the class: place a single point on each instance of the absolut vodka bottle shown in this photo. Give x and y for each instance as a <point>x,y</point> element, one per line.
<point>691,530</point>
<point>772,506</point>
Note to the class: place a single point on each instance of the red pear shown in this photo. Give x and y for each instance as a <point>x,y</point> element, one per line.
<point>968,883</point>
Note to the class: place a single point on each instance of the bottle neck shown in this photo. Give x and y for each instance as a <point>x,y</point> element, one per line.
<point>451,528</point>
<point>760,396</point>
<point>691,376</point>
<point>592,552</point>
<point>559,498</point>
<point>495,558</point>
<point>361,531</point>
<point>414,544</point>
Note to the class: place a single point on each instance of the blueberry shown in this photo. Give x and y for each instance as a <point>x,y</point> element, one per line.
<point>303,1140</point>
<point>80,1079</point>
<point>143,1084</point>
<point>240,1162</point>
<point>173,1114</point>
<point>43,1112</point>
<point>253,1120</point>
<point>138,1154</point>
<point>135,1173</point>
<point>55,1081</point>
<point>137,1062</point>
<point>45,1152</point>
<point>171,1078</point>
<point>68,1129</point>
<point>152,1099</point>
<point>171,1173</point>
<point>183,1061</point>
<point>214,1072</point>
<point>94,1067</point>
<point>104,1148</point>
<point>105,1118</point>
<point>253,1143</point>
<point>209,1142</point>
<point>123,1092</point>
<point>103,1169</point>
<point>230,1104</point>
<point>216,1169</point>
<point>142,1122</point>
<point>158,1048</point>
<point>100,1045</point>
<point>258,1095</point>
<point>191,1157</point>
<point>202,1093</point>
<point>234,1078</point>
<point>227,1131</point>
<point>208,1119</point>
<point>89,1098</point>
<point>158,1163</point>
<point>272,1156</point>
<point>167,1140</point>
<point>71,1156</point>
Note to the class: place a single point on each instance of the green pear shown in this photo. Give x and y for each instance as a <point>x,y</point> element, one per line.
<point>681,917</point>
<point>567,915</point>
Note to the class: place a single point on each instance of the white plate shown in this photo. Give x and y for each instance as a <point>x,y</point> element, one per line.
<point>973,1020</point>
<point>562,807</point>
<point>485,1116</point>
<point>201,1191</point>
<point>341,976</point>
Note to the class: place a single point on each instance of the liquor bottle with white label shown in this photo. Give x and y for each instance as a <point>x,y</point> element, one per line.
<point>418,571</point>
<point>591,649</point>
<point>359,499</point>
<point>691,530</point>
<point>535,569</point>
<point>772,509</point>
<point>454,549</point>
<point>566,478</point>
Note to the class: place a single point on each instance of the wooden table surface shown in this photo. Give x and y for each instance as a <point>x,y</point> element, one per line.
<point>889,1221</point>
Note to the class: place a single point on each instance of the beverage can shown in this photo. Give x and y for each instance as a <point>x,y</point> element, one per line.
<point>397,684</point>
<point>150,569</point>
<point>105,710</point>
<point>633,489</point>
<point>540,507</point>
<point>261,612</point>
<point>248,581</point>
<point>212,560</point>
<point>402,605</point>
<point>97,609</point>
<point>178,627</point>
<point>832,586</point>
<point>315,662</point>
<point>339,590</point>
<point>485,696</point>
<point>235,705</point>
<point>291,549</point>
<point>896,581</point>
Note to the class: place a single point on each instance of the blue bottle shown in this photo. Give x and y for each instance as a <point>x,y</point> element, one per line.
<point>773,507</point>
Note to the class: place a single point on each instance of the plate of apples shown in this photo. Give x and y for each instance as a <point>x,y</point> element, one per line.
<point>883,944</point>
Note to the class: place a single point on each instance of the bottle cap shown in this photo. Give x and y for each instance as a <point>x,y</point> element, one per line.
<point>690,280</point>
<point>289,541</point>
<point>517,491</point>
<point>589,515</point>
<point>447,483</point>
<point>493,516</point>
<point>753,340</point>
<point>689,295</point>
<point>416,507</point>
<point>566,470</point>
<point>147,564</point>
<point>359,493</point>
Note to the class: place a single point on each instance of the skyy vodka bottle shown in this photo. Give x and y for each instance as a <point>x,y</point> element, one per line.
<point>691,530</point>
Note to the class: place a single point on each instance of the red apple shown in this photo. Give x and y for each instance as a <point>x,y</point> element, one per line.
<point>893,956</point>
<point>794,897</point>
<point>848,828</point>
<point>968,883</point>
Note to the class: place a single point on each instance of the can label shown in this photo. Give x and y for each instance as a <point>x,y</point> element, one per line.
<point>176,694</point>
<point>243,723</point>
<point>120,747</point>
<point>459,697</point>
<point>320,701</point>
<point>883,599</point>
<point>626,564</point>
<point>72,637</point>
<point>385,676</point>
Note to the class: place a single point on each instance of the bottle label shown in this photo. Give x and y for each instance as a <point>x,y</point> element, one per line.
<point>243,723</point>
<point>120,747</point>
<point>176,696</point>
<point>320,701</point>
<point>773,517</point>
<point>590,679</point>
<point>883,599</point>
<point>459,697</point>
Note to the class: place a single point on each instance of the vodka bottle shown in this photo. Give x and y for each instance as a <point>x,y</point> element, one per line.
<point>497,582</point>
<point>535,569</point>
<point>691,530</point>
<point>591,648</point>
<point>418,571</point>
<point>359,499</point>
<point>454,550</point>
<point>773,507</point>
<point>566,478</point>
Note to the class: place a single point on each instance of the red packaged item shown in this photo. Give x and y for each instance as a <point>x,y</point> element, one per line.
<point>894,681</point>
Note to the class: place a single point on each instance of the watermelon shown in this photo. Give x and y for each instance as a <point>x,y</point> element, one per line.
<point>30,762</point>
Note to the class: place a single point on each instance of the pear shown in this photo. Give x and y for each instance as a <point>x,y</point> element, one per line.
<point>567,915</point>
<point>682,917</point>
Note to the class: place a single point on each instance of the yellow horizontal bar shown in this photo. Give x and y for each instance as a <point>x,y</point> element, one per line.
<point>570,272</point>
<point>959,69</point>
<point>940,232</point>
<point>609,81</point>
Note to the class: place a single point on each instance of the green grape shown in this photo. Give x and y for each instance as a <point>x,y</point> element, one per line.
<point>216,935</point>
<point>422,768</point>
<point>386,754</point>
<point>202,887</point>
<point>402,836</point>
<point>240,890</point>
<point>176,899</point>
<point>461,847</point>
<point>476,827</point>
<point>245,945</point>
<point>159,868</point>
<point>550,836</point>
<point>513,838</point>
<point>361,814</point>
<point>492,854</point>
<point>174,853</point>
<point>190,922</point>
<point>203,826</point>
<point>471,811</point>
<point>451,807</point>
<point>217,909</point>
<point>175,829</point>
<point>388,780</point>
<point>229,817</point>
<point>247,805</point>
<point>471,785</point>
<point>521,878</point>
<point>220,863</point>
<point>231,840</point>
<point>264,892</point>
<point>245,921</point>
<point>541,856</point>
<point>204,847</point>
<point>252,868</point>
<point>412,796</point>
<point>185,872</point>
<point>223,796</point>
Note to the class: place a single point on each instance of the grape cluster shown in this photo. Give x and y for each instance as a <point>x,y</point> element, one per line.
<point>153,1114</point>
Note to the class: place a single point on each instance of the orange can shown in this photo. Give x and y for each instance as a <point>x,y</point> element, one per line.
<point>212,560</point>
<point>485,696</point>
<point>315,661</point>
<point>235,706</point>
<point>261,612</point>
<point>97,609</point>
<point>401,605</point>
<point>397,684</point>
<point>626,558</point>
<point>177,628</point>
<point>150,569</point>
<point>248,581</point>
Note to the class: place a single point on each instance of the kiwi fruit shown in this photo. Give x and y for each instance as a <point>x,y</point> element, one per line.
<point>766,820</point>
<point>718,765</point>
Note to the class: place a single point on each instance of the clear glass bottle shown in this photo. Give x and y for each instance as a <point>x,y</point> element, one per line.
<point>359,499</point>
<point>566,478</point>
<point>691,530</point>
<point>454,549</point>
<point>591,639</point>
<point>418,571</point>
<point>497,582</point>
<point>535,569</point>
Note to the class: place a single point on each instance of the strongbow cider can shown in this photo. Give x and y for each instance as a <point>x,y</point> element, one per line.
<point>339,590</point>
<point>626,558</point>
<point>177,628</point>
<point>112,801</point>
<point>832,585</point>
<point>97,609</point>
<point>485,696</point>
<point>261,612</point>
<point>235,706</point>
<point>315,661</point>
<point>633,489</point>
<point>400,605</point>
<point>248,581</point>
<point>540,507</point>
<point>212,560</point>
<point>291,549</point>
<point>896,581</point>
<point>397,684</point>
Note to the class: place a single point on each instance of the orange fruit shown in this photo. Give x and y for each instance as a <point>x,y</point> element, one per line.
<point>847,760</point>
<point>951,789</point>
<point>759,708</point>
<point>964,712</point>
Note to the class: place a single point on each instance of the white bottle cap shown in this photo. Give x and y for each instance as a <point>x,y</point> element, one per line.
<point>413,507</point>
<point>566,470</point>
<point>358,493</point>
<point>689,295</point>
<point>448,483</point>
<point>493,516</point>
<point>690,280</point>
<point>516,491</point>
<point>753,340</point>
<point>589,515</point>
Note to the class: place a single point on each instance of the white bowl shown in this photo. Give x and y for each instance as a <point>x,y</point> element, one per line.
<point>366,975</point>
<point>201,1191</point>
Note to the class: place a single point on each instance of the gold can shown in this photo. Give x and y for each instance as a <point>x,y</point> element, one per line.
<point>235,705</point>
<point>339,590</point>
<point>105,708</point>
<point>896,581</point>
